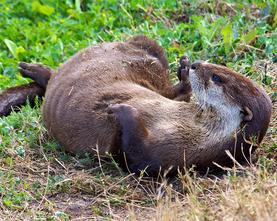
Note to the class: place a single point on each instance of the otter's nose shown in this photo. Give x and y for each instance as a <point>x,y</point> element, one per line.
<point>195,64</point>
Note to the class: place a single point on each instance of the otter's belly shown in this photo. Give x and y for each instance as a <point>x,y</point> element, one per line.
<point>76,117</point>
<point>75,110</point>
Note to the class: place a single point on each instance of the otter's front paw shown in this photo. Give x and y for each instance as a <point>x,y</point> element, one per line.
<point>183,70</point>
<point>183,88</point>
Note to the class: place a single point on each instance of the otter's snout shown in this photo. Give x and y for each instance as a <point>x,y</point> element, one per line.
<point>195,64</point>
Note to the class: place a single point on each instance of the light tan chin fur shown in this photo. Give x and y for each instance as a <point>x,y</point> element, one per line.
<point>214,99</point>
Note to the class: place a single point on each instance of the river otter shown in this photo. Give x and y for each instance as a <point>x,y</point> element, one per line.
<point>118,97</point>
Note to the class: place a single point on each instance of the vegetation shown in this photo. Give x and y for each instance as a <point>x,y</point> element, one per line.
<point>39,180</point>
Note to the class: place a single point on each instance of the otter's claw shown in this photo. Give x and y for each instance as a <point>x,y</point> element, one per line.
<point>183,70</point>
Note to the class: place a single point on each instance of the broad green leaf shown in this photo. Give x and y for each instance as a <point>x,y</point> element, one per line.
<point>73,14</point>
<point>54,38</point>
<point>12,47</point>
<point>265,11</point>
<point>35,6</point>
<point>227,33</point>
<point>19,50</point>
<point>19,53</point>
<point>250,36</point>
<point>47,10</point>
<point>44,9</point>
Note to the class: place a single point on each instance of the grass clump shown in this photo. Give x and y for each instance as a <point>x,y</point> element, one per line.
<point>39,180</point>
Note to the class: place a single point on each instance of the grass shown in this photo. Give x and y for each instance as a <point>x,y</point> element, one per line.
<point>40,181</point>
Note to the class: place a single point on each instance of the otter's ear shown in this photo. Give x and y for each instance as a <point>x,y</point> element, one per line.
<point>247,114</point>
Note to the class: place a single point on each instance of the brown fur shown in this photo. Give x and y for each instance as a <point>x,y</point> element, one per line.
<point>14,97</point>
<point>118,97</point>
<point>96,77</point>
<point>231,111</point>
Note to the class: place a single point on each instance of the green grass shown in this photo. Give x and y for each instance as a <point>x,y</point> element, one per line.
<point>39,180</point>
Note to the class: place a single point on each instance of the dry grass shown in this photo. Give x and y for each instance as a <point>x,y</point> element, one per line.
<point>47,188</point>
<point>248,193</point>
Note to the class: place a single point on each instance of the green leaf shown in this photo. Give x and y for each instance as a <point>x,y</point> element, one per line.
<point>268,80</point>
<point>78,6</point>
<point>35,6</point>
<point>73,14</point>
<point>70,3</point>
<point>250,36</point>
<point>9,161</point>
<point>275,21</point>
<point>214,29</point>
<point>12,47</point>
<point>227,33</point>
<point>196,19</point>
<point>54,38</point>
<point>19,50</point>
<point>265,11</point>
<point>44,9</point>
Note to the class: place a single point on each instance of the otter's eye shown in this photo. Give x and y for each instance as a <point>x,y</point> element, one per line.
<point>215,78</point>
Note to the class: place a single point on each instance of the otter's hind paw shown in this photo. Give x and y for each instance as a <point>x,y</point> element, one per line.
<point>38,72</point>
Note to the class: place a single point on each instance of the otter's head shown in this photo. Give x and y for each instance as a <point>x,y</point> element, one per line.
<point>233,96</point>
